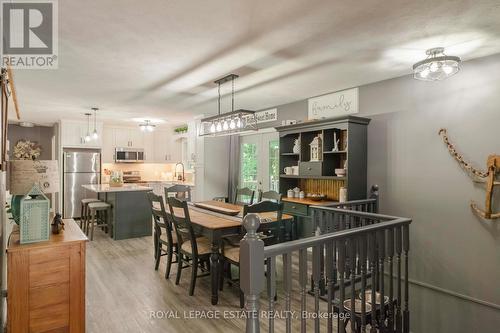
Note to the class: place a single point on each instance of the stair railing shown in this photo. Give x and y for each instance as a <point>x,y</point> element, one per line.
<point>361,250</point>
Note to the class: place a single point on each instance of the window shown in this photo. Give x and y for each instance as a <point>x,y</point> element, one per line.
<point>274,164</point>
<point>249,165</point>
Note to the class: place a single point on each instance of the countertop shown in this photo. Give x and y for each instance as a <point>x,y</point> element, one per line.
<point>105,188</point>
<point>71,233</point>
<point>306,201</point>
<point>173,182</point>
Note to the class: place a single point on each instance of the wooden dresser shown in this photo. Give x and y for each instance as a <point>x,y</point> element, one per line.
<point>46,283</point>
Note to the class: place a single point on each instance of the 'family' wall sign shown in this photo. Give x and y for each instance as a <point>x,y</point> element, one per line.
<point>336,104</point>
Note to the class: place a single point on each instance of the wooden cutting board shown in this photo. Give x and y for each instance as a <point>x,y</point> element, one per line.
<point>220,207</point>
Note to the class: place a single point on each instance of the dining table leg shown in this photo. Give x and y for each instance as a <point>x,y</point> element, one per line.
<point>214,272</point>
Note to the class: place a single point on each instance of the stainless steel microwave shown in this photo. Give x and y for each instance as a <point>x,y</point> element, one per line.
<point>129,155</point>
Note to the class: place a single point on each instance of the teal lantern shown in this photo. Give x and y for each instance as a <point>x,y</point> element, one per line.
<point>34,225</point>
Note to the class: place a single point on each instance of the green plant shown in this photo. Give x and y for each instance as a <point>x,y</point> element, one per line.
<point>181,129</point>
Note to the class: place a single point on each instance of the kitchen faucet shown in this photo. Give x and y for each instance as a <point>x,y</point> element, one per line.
<point>179,177</point>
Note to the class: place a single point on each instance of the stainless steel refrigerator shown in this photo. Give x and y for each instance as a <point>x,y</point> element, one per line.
<point>81,167</point>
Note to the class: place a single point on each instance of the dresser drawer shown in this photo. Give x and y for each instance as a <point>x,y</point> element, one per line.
<point>293,208</point>
<point>310,168</point>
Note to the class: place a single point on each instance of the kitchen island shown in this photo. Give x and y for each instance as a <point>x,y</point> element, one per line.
<point>130,211</point>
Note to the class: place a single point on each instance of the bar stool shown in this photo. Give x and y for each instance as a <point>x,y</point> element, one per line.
<point>96,209</point>
<point>84,213</point>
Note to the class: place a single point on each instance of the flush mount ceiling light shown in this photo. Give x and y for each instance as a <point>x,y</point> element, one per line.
<point>95,136</point>
<point>233,121</point>
<point>26,124</point>
<point>437,66</point>
<point>147,126</point>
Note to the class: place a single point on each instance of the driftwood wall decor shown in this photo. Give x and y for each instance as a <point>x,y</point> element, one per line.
<point>493,168</point>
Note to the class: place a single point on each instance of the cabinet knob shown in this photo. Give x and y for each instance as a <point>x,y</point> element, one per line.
<point>293,207</point>
<point>309,169</point>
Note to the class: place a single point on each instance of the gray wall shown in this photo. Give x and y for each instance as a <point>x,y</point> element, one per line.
<point>451,248</point>
<point>40,134</point>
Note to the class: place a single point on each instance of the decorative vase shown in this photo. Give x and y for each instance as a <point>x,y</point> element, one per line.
<point>296,146</point>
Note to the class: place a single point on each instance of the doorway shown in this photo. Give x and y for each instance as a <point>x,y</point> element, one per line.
<point>259,161</point>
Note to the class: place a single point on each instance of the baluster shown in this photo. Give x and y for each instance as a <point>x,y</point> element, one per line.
<point>373,265</point>
<point>398,264</point>
<point>303,287</point>
<point>390,254</point>
<point>381,259</point>
<point>352,255</point>
<point>363,260</point>
<point>271,289</point>
<point>316,273</point>
<point>287,284</point>
<point>329,284</point>
<point>406,249</point>
<point>324,229</point>
<point>377,273</point>
<point>341,268</point>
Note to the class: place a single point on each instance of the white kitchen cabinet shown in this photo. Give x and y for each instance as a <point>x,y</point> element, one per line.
<point>136,138</point>
<point>161,139</point>
<point>129,137</point>
<point>175,149</point>
<point>149,143</point>
<point>167,149</point>
<point>73,134</point>
<point>108,145</point>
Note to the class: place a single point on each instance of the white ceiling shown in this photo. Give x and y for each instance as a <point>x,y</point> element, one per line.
<point>158,58</point>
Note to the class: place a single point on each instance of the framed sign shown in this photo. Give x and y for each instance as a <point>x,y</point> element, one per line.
<point>336,104</point>
<point>266,116</point>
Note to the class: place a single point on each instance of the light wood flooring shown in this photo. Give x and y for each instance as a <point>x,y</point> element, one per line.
<point>123,289</point>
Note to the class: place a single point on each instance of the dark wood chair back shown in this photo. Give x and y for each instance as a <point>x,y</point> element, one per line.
<point>273,229</point>
<point>270,196</point>
<point>244,196</point>
<point>181,192</point>
<point>183,225</point>
<point>265,207</point>
<point>162,219</point>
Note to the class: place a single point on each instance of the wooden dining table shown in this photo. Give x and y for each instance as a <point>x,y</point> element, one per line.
<point>211,223</point>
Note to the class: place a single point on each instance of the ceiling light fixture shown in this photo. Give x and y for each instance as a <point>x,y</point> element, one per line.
<point>147,126</point>
<point>233,121</point>
<point>26,124</point>
<point>95,136</point>
<point>87,137</point>
<point>437,66</point>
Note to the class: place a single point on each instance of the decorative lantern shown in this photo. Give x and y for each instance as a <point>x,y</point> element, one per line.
<point>316,149</point>
<point>34,216</point>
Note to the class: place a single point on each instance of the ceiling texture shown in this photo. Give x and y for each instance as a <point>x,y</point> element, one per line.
<point>157,59</point>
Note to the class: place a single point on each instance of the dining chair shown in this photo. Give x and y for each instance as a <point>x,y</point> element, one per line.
<point>194,250</point>
<point>270,196</point>
<point>162,222</point>
<point>244,196</point>
<point>231,249</point>
<point>180,192</point>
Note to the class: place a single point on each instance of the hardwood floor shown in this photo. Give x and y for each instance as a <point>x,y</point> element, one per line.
<point>123,290</point>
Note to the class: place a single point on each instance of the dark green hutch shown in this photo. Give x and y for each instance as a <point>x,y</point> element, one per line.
<point>319,176</point>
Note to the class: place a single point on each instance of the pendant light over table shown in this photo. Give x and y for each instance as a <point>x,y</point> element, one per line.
<point>231,122</point>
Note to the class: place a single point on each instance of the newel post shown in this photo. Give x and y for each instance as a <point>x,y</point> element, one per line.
<point>252,271</point>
